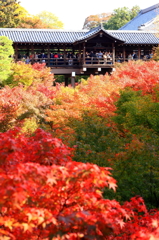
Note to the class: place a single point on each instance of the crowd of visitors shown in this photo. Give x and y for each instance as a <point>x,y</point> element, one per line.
<point>134,56</point>
<point>99,57</point>
<point>70,58</point>
<point>43,57</point>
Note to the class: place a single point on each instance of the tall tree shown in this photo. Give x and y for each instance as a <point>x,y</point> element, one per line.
<point>9,13</point>
<point>93,21</point>
<point>6,50</point>
<point>31,22</point>
<point>50,20</point>
<point>120,17</point>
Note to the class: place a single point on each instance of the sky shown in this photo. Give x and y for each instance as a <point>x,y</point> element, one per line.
<point>74,12</point>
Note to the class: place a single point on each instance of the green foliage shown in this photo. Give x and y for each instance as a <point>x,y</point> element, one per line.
<point>61,78</point>
<point>120,17</point>
<point>95,139</point>
<point>27,75</point>
<point>135,111</point>
<point>21,73</point>
<point>6,50</point>
<point>129,146</point>
<point>50,20</point>
<point>9,14</point>
<point>137,165</point>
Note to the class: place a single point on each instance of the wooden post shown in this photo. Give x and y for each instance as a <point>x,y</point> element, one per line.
<point>124,54</point>
<point>139,52</point>
<point>84,52</point>
<point>66,80</point>
<point>79,56</point>
<point>48,56</point>
<point>73,82</point>
<point>65,58</point>
<point>32,53</point>
<point>113,51</point>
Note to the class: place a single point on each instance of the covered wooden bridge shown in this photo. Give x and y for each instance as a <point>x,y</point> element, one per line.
<point>77,52</point>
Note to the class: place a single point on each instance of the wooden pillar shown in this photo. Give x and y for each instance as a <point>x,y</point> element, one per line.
<point>32,48</point>
<point>139,52</point>
<point>84,52</point>
<point>48,56</point>
<point>113,52</point>
<point>73,82</point>
<point>79,56</point>
<point>124,54</point>
<point>65,58</point>
<point>32,53</point>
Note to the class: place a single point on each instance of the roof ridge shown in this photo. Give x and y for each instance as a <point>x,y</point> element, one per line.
<point>41,29</point>
<point>149,8</point>
<point>132,31</point>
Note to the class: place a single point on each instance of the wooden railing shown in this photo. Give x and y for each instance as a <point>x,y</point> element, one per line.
<point>74,62</point>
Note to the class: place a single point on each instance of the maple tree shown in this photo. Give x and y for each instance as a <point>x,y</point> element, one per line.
<point>48,191</point>
<point>29,93</point>
<point>50,19</point>
<point>31,22</point>
<point>9,14</point>
<point>61,199</point>
<point>27,74</point>
<point>86,119</point>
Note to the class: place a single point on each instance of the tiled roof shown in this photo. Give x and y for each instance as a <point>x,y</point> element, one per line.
<point>58,36</point>
<point>136,37</point>
<point>41,35</point>
<point>143,17</point>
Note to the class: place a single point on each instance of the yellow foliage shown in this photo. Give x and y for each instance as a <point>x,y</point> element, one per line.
<point>29,125</point>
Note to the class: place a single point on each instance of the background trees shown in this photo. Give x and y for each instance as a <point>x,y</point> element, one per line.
<point>50,19</point>
<point>120,17</point>
<point>9,13</point>
<point>93,21</point>
<point>12,14</point>
<point>31,22</point>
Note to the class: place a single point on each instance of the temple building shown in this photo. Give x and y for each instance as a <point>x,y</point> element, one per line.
<point>85,52</point>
